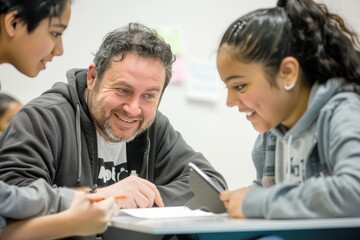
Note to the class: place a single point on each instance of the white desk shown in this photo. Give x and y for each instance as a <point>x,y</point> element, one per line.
<point>224,228</point>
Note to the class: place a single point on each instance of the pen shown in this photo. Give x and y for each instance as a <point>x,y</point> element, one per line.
<point>98,199</point>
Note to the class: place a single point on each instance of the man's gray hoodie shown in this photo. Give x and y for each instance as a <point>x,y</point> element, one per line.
<point>53,137</point>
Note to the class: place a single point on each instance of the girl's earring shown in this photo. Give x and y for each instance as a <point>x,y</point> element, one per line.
<point>289,86</point>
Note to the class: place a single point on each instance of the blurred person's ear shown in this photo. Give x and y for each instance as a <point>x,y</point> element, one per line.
<point>10,23</point>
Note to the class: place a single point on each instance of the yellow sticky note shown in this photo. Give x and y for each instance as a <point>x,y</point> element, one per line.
<point>173,35</point>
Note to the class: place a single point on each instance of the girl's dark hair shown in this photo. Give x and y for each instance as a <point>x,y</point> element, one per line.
<point>324,46</point>
<point>31,12</point>
<point>5,101</point>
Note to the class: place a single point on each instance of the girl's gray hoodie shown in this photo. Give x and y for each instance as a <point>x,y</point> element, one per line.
<point>313,169</point>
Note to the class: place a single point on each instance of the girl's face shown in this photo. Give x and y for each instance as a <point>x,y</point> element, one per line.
<point>265,105</point>
<point>30,52</point>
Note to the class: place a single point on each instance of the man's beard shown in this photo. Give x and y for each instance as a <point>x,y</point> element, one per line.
<point>107,129</point>
<point>105,126</point>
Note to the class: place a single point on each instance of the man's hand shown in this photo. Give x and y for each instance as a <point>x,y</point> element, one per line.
<point>140,193</point>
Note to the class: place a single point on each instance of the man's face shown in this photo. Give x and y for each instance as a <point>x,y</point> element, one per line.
<point>123,103</point>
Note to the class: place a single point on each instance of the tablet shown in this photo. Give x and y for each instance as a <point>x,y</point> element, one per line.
<point>206,178</point>
<point>206,192</point>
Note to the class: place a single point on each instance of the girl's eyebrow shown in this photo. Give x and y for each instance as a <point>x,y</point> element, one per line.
<point>233,77</point>
<point>61,25</point>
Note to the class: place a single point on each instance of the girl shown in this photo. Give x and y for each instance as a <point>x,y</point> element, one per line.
<point>294,71</point>
<point>30,36</point>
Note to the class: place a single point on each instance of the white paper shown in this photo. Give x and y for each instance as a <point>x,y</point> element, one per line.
<point>164,212</point>
<point>203,83</point>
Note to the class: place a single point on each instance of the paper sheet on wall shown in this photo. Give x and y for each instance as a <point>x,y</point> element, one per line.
<point>203,83</point>
<point>165,212</point>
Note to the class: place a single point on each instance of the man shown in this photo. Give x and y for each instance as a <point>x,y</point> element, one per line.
<point>93,132</point>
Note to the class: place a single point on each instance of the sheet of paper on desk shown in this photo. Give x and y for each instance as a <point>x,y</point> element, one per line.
<point>165,212</point>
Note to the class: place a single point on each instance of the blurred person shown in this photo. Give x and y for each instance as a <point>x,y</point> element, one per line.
<point>30,36</point>
<point>9,106</point>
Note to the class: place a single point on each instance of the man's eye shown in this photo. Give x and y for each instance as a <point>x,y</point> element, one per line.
<point>123,91</point>
<point>149,96</point>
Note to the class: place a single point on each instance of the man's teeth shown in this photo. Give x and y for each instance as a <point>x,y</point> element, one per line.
<point>249,113</point>
<point>125,120</point>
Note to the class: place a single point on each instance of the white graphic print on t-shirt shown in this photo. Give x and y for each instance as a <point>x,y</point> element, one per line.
<point>112,162</point>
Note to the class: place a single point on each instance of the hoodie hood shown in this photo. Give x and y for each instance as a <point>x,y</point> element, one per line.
<point>320,94</point>
<point>77,84</point>
<point>294,146</point>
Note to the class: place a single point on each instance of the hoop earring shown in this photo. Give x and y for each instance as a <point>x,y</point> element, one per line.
<point>289,86</point>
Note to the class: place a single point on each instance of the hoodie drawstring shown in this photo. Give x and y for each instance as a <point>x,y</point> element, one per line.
<point>287,157</point>
<point>78,140</point>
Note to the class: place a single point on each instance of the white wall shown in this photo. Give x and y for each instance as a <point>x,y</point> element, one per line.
<point>223,135</point>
